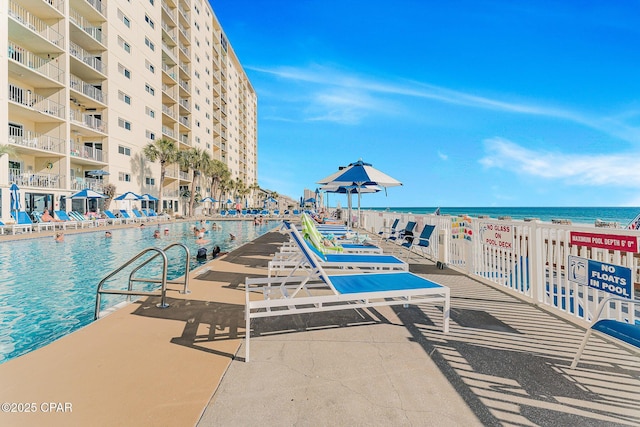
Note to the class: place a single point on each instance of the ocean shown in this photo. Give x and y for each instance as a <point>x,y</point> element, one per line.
<point>577,215</point>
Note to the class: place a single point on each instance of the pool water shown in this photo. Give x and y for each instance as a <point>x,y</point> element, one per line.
<point>48,289</point>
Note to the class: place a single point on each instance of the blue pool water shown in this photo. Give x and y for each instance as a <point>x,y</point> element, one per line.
<point>48,289</point>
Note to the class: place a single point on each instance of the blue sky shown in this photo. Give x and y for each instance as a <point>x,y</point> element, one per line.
<point>468,103</point>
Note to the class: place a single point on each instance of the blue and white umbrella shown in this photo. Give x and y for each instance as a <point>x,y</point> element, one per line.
<point>208,199</point>
<point>148,197</point>
<point>360,174</point>
<point>87,194</point>
<point>129,195</point>
<point>15,198</point>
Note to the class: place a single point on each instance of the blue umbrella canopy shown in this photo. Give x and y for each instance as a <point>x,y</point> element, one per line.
<point>87,194</point>
<point>360,174</point>
<point>148,197</point>
<point>15,197</point>
<point>208,199</point>
<point>229,201</point>
<point>129,195</point>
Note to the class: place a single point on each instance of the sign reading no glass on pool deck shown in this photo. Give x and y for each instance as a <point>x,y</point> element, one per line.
<point>610,278</point>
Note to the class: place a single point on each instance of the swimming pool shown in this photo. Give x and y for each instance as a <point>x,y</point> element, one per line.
<point>48,289</point>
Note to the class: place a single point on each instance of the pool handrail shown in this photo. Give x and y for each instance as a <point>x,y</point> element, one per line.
<point>187,269</point>
<point>161,294</point>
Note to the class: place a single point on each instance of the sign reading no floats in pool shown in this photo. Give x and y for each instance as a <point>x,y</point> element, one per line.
<point>610,278</point>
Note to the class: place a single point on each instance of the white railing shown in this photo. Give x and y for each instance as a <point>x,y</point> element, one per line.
<point>531,262</point>
<point>168,111</point>
<point>28,179</point>
<point>172,13</point>
<point>91,183</point>
<point>169,132</point>
<point>44,66</point>
<point>91,60</point>
<point>91,91</point>
<point>35,140</point>
<point>27,98</point>
<point>88,120</point>
<point>81,150</point>
<point>35,24</point>
<point>99,6</point>
<point>86,26</point>
<point>170,91</point>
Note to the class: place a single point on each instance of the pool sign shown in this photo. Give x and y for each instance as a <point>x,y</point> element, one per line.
<point>610,278</point>
<point>605,241</point>
<point>497,235</point>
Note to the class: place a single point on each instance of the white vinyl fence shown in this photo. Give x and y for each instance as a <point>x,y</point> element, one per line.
<point>529,259</point>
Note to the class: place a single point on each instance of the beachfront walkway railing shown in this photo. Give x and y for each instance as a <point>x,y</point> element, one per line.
<point>530,258</point>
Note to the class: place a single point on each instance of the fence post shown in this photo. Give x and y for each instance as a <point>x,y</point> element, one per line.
<point>536,270</point>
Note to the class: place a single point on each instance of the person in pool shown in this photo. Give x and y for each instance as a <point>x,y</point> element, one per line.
<point>59,237</point>
<point>107,234</point>
<point>156,234</point>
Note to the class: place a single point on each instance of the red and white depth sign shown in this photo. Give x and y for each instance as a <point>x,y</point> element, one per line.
<point>605,241</point>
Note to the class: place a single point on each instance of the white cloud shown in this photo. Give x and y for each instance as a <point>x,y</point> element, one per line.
<point>574,169</point>
<point>333,81</point>
<point>442,155</point>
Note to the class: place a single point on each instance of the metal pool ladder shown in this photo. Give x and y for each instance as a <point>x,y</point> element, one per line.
<point>162,293</point>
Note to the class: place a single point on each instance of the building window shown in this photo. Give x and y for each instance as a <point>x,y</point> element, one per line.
<point>149,89</point>
<point>124,177</point>
<point>151,135</point>
<point>124,19</point>
<point>149,21</point>
<point>150,66</point>
<point>124,71</point>
<point>124,123</point>
<point>124,97</point>
<point>124,150</point>
<point>149,44</point>
<point>151,113</point>
<point>124,45</point>
<point>150,181</point>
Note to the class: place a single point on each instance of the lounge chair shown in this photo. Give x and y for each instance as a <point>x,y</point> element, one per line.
<point>281,295</point>
<point>66,219</point>
<point>422,242</point>
<point>401,235</point>
<point>40,224</point>
<point>389,231</point>
<point>625,331</point>
<point>111,218</point>
<point>317,238</point>
<point>140,215</point>
<point>125,216</point>
<point>296,260</point>
<point>81,219</point>
<point>23,223</point>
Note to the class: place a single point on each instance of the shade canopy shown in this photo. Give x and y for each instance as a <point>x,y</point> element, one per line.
<point>148,197</point>
<point>98,172</point>
<point>87,193</point>
<point>208,199</point>
<point>129,195</point>
<point>229,201</point>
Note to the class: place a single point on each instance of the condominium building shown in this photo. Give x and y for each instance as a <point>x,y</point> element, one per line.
<point>89,83</point>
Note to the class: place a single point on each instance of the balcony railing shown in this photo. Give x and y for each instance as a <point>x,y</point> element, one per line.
<point>170,193</point>
<point>86,26</point>
<point>171,13</point>
<point>35,140</point>
<point>92,61</point>
<point>88,120</point>
<point>170,91</point>
<point>80,150</point>
<point>185,121</point>
<point>169,132</point>
<point>35,24</point>
<point>44,66</point>
<point>185,176</point>
<point>99,6</point>
<point>34,101</point>
<point>28,179</point>
<point>184,103</point>
<point>169,30</point>
<point>168,111</point>
<point>87,89</point>
<point>184,85</point>
<point>184,66</point>
<point>90,183</point>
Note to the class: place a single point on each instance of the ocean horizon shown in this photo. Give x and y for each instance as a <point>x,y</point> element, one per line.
<point>577,215</point>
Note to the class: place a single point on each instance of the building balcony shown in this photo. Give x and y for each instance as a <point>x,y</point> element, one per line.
<point>35,143</point>
<point>88,121</point>
<point>85,32</point>
<point>91,60</point>
<point>168,132</point>
<point>169,54</point>
<point>35,105</point>
<point>34,70</point>
<point>169,112</point>
<point>168,13</point>
<point>39,180</point>
<point>170,33</point>
<point>88,93</point>
<point>92,9</point>
<point>24,24</point>
<point>81,151</point>
<point>91,183</point>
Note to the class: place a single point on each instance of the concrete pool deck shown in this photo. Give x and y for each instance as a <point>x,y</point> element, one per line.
<point>504,362</point>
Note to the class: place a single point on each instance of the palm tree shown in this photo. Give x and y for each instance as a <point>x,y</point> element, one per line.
<point>197,160</point>
<point>215,171</point>
<point>7,149</point>
<point>166,151</point>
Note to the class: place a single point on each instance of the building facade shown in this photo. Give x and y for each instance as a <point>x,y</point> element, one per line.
<point>88,83</point>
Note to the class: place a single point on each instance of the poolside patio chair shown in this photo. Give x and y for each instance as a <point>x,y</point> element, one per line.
<point>111,218</point>
<point>81,219</point>
<point>296,260</point>
<point>40,224</point>
<point>282,295</point>
<point>126,217</point>
<point>407,231</point>
<point>389,231</point>
<point>66,219</point>
<point>421,242</point>
<point>628,332</point>
<point>140,215</point>
<point>23,223</point>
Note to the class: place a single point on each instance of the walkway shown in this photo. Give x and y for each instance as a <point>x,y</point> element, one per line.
<point>503,362</point>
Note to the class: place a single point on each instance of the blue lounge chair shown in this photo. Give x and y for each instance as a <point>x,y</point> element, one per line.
<point>66,219</point>
<point>296,260</point>
<point>140,215</point>
<point>347,291</point>
<point>23,222</point>
<point>40,224</point>
<point>422,242</point>
<point>81,219</point>
<point>125,216</point>
<point>111,218</point>
<point>401,235</point>
<point>625,331</point>
<point>389,231</point>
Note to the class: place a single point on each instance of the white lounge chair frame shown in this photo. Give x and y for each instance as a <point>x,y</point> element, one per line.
<point>281,294</point>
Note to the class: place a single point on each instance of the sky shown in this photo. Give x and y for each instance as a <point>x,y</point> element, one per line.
<point>467,103</point>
